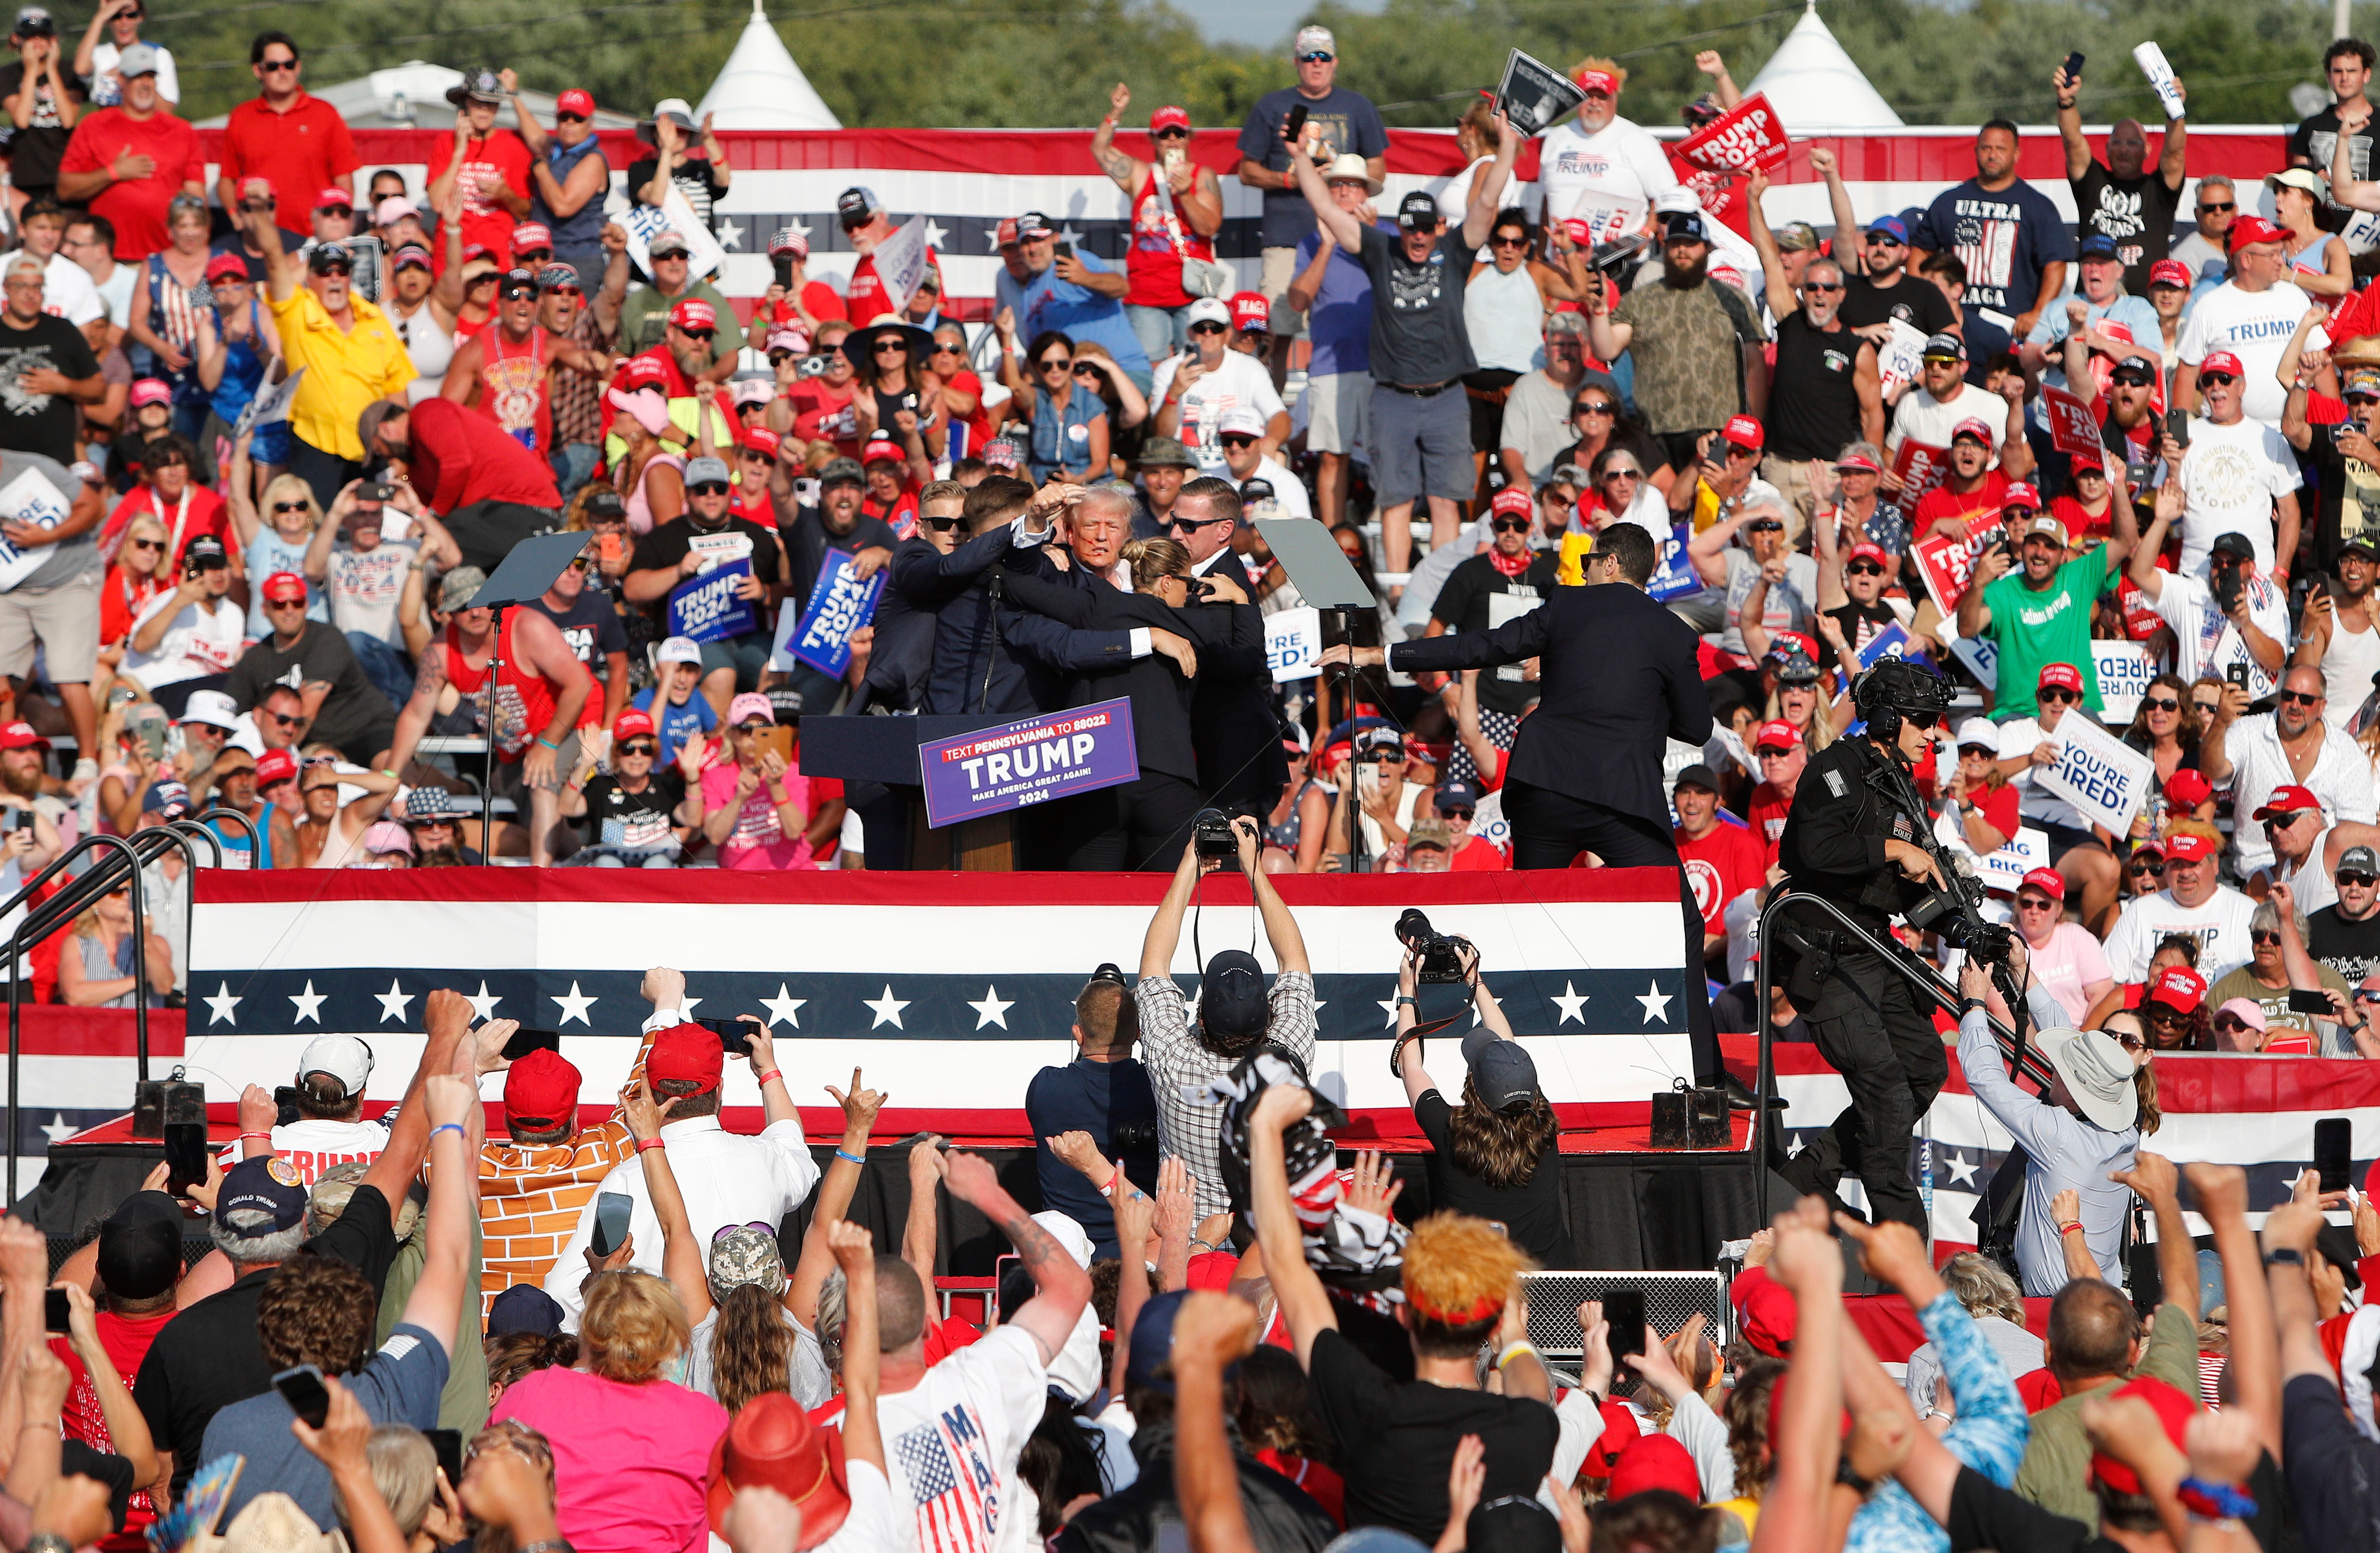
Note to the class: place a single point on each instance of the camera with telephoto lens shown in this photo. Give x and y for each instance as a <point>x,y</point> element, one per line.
<point>1955,911</point>
<point>1440,954</point>
<point>1213,833</point>
<point>1131,1138</point>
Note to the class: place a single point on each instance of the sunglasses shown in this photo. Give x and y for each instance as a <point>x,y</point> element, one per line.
<point>2056,695</point>
<point>1593,407</point>
<point>943,348</point>
<point>1191,525</point>
<point>520,294</point>
<point>1317,58</point>
<point>1765,525</point>
<point>1084,370</point>
<point>1863,569</point>
<point>900,346</point>
<point>276,66</point>
<point>1884,239</point>
<point>282,718</point>
<point>148,544</point>
<point>2219,208</point>
<point>1822,286</point>
<point>710,488</point>
<point>640,747</point>
<point>2216,379</point>
<point>1510,524</point>
<point>2229,1024</point>
<point>1058,364</point>
<point>2128,1042</point>
<point>2168,1016</point>
<point>284,603</point>
<point>1463,815</point>
<point>1207,328</point>
<point>1610,475</point>
<point>1172,135</point>
<point>336,269</point>
<point>2148,867</point>
<point>2264,935</point>
<point>943,525</point>
<point>1237,439</point>
<point>561,117</point>
<point>1501,241</point>
<point>2036,903</point>
<point>2300,698</point>
<point>704,336</point>
<point>2361,881</point>
<point>726,1230</point>
<point>1920,719</point>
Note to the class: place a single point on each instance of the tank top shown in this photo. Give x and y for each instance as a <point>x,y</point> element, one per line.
<point>258,854</point>
<point>1815,411</point>
<point>889,404</point>
<point>243,371</point>
<point>1504,315</point>
<point>524,702</point>
<point>2348,662</point>
<point>1161,240</point>
<point>640,503</point>
<point>429,346</point>
<point>584,230</point>
<point>173,318</point>
<point>513,391</point>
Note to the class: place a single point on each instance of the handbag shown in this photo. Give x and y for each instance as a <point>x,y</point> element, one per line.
<point>1200,277</point>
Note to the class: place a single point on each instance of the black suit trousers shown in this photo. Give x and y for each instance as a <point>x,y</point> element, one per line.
<point>1551,828</point>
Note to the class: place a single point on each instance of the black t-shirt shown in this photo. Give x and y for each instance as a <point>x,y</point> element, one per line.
<point>2313,142</point>
<point>1913,299</point>
<point>2137,212</point>
<point>1395,1438</point>
<point>208,1357</point>
<point>2352,948</point>
<point>1417,332</point>
<point>643,821</point>
<point>353,707</point>
<point>42,423</point>
<point>666,546</point>
<point>1531,1213</point>
<point>1462,604</point>
<point>692,178</point>
<point>1862,623</point>
<point>2333,1472</point>
<point>35,151</point>
<point>808,539</point>
<point>1985,1515</point>
<point>591,625</point>
<point>1091,1097</point>
<point>1813,411</point>
<point>2349,499</point>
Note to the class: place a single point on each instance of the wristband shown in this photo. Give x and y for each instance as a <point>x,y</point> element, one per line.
<point>773,1073</point>
<point>549,744</point>
<point>553,1544</point>
<point>2073,1229</point>
<point>2287,1256</point>
<point>2214,1502</point>
<point>456,1127</point>
<point>1113,1181</point>
<point>644,1144</point>
<point>1519,1346</point>
<point>855,1158</point>
<point>266,1136</point>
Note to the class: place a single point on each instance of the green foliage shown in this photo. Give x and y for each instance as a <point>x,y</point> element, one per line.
<point>1033,63</point>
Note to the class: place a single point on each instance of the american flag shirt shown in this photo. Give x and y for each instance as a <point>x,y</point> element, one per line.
<point>951,1443</point>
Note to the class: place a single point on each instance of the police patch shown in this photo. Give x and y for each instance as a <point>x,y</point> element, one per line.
<point>1835,784</point>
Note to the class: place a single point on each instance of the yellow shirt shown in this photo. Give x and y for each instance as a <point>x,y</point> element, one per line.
<point>681,414</point>
<point>1571,570</point>
<point>345,368</point>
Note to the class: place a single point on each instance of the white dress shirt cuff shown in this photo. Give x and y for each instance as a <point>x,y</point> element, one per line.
<point>1140,648</point>
<point>1024,538</point>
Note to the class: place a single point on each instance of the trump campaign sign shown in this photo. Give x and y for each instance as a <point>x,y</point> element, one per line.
<point>1060,753</point>
<point>1748,135</point>
<point>1948,565</point>
<point>1293,643</point>
<point>710,606</point>
<point>840,604</point>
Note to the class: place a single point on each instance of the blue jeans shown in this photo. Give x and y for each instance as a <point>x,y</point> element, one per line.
<point>605,858</point>
<point>573,466</point>
<point>1159,330</point>
<point>383,665</point>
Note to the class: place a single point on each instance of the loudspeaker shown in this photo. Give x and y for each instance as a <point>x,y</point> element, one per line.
<point>1689,1117</point>
<point>160,1100</point>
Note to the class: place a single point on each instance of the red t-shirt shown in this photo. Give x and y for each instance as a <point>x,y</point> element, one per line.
<point>1981,505</point>
<point>137,206</point>
<point>2081,525</point>
<point>300,153</point>
<point>1722,865</point>
<point>867,295</point>
<point>820,412</point>
<point>459,457</point>
<point>1769,808</point>
<point>823,301</point>
<point>126,1340</point>
<point>902,514</point>
<point>484,220</point>
<point>2001,807</point>
<point>203,513</point>
<point>120,603</point>
<point>978,420</point>
<point>1477,856</point>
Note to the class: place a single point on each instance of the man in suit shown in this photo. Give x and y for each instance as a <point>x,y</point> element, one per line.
<point>1617,678</point>
<point>1233,725</point>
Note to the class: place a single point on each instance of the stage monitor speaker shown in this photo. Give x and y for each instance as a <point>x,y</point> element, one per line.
<point>1670,1298</point>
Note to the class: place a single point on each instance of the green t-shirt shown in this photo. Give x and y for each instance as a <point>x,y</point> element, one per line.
<point>2056,1473</point>
<point>2242,983</point>
<point>2036,627</point>
<point>463,1405</point>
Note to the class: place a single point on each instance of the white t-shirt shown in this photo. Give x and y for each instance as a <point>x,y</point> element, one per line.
<point>1240,380</point>
<point>951,1443</point>
<point>2234,475</point>
<point>1787,606</point>
<point>870,1528</point>
<point>107,87</point>
<point>115,293</point>
<point>1609,179</point>
<point>365,586</point>
<point>2254,326</point>
<point>1929,421</point>
<point>2220,927</point>
<point>312,1146</point>
<point>1454,199</point>
<point>199,641</point>
<point>2205,642</point>
<point>1288,491</point>
<point>2072,962</point>
<point>67,291</point>
<point>2023,735</point>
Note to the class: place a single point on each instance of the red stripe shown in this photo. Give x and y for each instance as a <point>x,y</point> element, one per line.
<point>1943,158</point>
<point>860,888</point>
<point>52,1030</point>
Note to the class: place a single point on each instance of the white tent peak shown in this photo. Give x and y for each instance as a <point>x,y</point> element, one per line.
<point>761,88</point>
<point>1813,85</point>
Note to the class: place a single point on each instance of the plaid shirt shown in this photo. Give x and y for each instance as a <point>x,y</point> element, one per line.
<point>576,398</point>
<point>1187,1126</point>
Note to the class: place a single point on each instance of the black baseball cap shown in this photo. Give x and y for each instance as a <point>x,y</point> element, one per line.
<point>140,1246</point>
<point>205,552</point>
<point>1232,1003</point>
<point>1684,226</point>
<point>324,255</point>
<point>1945,346</point>
<point>1696,776</point>
<point>1500,1070</point>
<point>2234,544</point>
<point>1417,209</point>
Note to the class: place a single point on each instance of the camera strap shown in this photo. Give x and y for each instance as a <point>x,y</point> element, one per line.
<point>1197,904</point>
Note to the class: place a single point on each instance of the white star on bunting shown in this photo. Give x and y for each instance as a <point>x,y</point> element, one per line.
<point>58,1129</point>
<point>220,1006</point>
<point>310,1004</point>
<point>784,1007</point>
<point>1963,1173</point>
<point>1570,1003</point>
<point>936,233</point>
<point>393,1002</point>
<point>990,1010</point>
<point>887,1008</point>
<point>483,1003</point>
<point>1655,1001</point>
<point>729,236</point>
<point>574,1007</point>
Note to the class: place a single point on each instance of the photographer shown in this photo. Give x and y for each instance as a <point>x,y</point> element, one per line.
<point>1235,1010</point>
<point>1102,1092</point>
<point>1496,1156</point>
<point>1844,842</point>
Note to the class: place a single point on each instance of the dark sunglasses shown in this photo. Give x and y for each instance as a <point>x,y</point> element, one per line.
<point>943,347</point>
<point>1191,525</point>
<point>1455,814</point>
<point>709,488</point>
<point>561,117</point>
<point>2167,1016</point>
<point>1500,240</point>
<point>1207,328</point>
<point>336,269</point>
<point>1084,370</point>
<point>518,294</point>
<point>1622,474</point>
<point>1317,58</point>
<point>1822,286</point>
<point>1511,525</point>
<point>640,747</point>
<point>566,289</point>
<point>2282,822</point>
<point>2300,698</point>
<point>2219,208</point>
<point>1884,239</point>
<point>1764,526</point>
<point>2166,703</point>
<point>151,544</point>
<point>283,720</point>
<point>275,66</point>
<point>2264,935</point>
<point>882,345</point>
<point>1237,439</point>
<point>943,525</point>
<point>705,335</point>
<point>2130,380</point>
<point>1863,569</point>
<point>2214,380</point>
<point>2054,694</point>
<point>2361,881</point>
<point>1593,407</point>
<point>2148,866</point>
<point>1057,364</point>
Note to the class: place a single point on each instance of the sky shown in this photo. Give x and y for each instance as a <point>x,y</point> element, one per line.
<point>1257,22</point>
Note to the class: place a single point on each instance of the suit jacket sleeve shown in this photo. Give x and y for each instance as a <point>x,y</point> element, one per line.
<point>927,577</point>
<point>1229,640</point>
<point>1509,643</point>
<point>1063,648</point>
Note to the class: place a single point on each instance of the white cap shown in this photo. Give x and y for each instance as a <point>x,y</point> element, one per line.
<point>1208,310</point>
<point>1349,167</point>
<point>343,1056</point>
<point>2097,1073</point>
<point>1310,39</point>
<point>1240,420</point>
<point>676,649</point>
<point>212,708</point>
<point>1682,198</point>
<point>1979,731</point>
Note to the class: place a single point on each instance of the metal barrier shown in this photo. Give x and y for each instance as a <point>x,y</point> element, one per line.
<point>1928,981</point>
<point>124,858</point>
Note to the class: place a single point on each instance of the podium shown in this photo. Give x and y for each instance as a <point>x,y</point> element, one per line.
<point>876,759</point>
